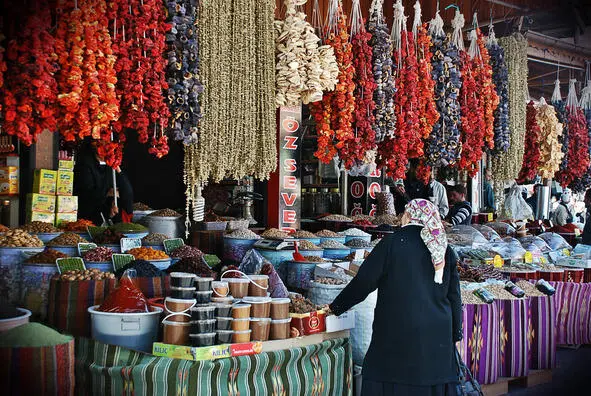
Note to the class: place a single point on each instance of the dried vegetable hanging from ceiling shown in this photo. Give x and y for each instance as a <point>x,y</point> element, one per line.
<point>443,147</point>
<point>550,147</point>
<point>30,90</point>
<point>531,155</point>
<point>500,76</point>
<point>355,150</point>
<point>303,70</point>
<point>578,141</point>
<point>583,183</point>
<point>334,114</point>
<point>2,68</point>
<point>182,71</point>
<point>381,45</point>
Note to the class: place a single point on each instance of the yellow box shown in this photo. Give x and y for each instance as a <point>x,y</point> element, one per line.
<point>45,181</point>
<point>65,182</point>
<point>66,165</point>
<point>8,180</point>
<point>40,216</point>
<point>67,204</point>
<point>61,217</point>
<point>8,173</point>
<point>41,203</point>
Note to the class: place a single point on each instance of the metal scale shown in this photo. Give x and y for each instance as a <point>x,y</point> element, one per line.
<point>274,244</point>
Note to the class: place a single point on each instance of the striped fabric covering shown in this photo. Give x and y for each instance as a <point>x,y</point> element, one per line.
<point>514,340</point>
<point>318,370</point>
<point>480,348</point>
<point>573,312</point>
<point>542,333</point>
<point>154,287</point>
<point>38,371</point>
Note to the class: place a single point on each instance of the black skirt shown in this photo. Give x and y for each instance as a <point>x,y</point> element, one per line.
<point>375,388</point>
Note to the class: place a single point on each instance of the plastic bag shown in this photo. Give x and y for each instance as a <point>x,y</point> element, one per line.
<point>252,263</point>
<point>126,298</point>
<point>583,250</point>
<point>535,245</point>
<point>465,236</point>
<point>486,231</point>
<point>515,206</point>
<point>503,229</point>
<point>555,241</point>
<point>508,248</point>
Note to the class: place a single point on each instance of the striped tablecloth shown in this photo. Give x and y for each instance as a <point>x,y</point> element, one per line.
<point>514,342</point>
<point>573,312</point>
<point>542,333</point>
<point>319,369</point>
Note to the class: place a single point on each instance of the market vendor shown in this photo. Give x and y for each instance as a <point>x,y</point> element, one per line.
<point>418,315</point>
<point>563,214</point>
<point>587,229</point>
<point>438,195</point>
<point>461,211</point>
<point>489,194</point>
<point>93,184</point>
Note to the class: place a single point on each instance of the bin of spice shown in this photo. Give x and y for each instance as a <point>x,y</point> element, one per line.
<point>237,243</point>
<point>299,274</point>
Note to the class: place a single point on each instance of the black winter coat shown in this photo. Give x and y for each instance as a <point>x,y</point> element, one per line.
<point>416,321</point>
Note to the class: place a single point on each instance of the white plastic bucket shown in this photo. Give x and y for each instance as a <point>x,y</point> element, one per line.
<point>131,330</point>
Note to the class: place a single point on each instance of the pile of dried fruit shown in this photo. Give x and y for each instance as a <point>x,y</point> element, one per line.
<point>19,238</point>
<point>307,245</point>
<point>100,254</point>
<point>154,239</point>
<point>67,239</point>
<point>39,227</point>
<point>301,305</point>
<point>274,233</point>
<point>186,251</point>
<point>84,275</point>
<point>48,256</point>
<point>79,225</point>
<point>327,234</point>
<point>147,253</point>
<point>165,213</point>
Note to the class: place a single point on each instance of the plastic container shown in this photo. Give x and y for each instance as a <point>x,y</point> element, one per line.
<point>203,326</point>
<point>238,287</point>
<point>260,329</point>
<point>47,236</point>
<point>241,324</point>
<point>224,336</point>
<point>336,253</point>
<point>203,313</point>
<point>241,336</point>
<point>182,279</point>
<point>224,323</point>
<point>340,239</point>
<point>105,266</point>
<point>280,308</point>
<point>223,310</point>
<point>7,324</point>
<point>366,238</point>
<point>131,330</point>
<point>235,249</point>
<point>260,306</point>
<point>175,333</point>
<point>35,287</point>
<point>183,293</point>
<point>203,297</point>
<point>263,284</point>
<point>10,270</point>
<point>220,288</point>
<point>172,226</point>
<point>280,329</point>
<point>241,311</point>
<point>71,251</point>
<point>203,284</point>
<point>202,340</point>
<point>162,265</point>
<point>222,300</point>
<point>178,307</point>
<point>300,274</point>
<point>276,257</point>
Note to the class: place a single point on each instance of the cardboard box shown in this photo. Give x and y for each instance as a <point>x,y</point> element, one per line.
<point>41,203</point>
<point>67,204</point>
<point>65,182</point>
<point>307,324</point>
<point>8,180</point>
<point>206,353</point>
<point>66,165</point>
<point>45,181</point>
<point>40,216</point>
<point>62,217</point>
<point>337,323</point>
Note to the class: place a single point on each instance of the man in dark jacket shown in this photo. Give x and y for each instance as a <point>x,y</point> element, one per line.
<point>587,229</point>
<point>461,211</point>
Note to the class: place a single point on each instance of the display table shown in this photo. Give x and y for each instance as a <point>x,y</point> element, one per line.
<point>573,312</point>
<point>319,365</point>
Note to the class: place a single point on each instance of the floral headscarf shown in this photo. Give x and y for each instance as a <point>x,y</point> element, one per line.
<point>426,214</point>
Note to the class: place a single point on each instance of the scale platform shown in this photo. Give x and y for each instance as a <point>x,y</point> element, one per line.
<point>274,244</point>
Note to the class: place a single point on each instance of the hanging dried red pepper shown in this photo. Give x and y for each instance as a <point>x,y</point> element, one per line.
<point>531,155</point>
<point>578,147</point>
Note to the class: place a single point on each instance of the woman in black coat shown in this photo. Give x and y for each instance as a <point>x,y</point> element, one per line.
<point>418,316</point>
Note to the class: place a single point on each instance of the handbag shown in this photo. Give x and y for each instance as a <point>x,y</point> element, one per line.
<point>467,386</point>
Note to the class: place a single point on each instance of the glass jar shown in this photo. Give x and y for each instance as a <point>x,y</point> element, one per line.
<point>322,201</point>
<point>335,201</point>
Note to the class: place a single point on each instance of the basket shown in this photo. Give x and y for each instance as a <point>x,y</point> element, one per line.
<point>300,274</point>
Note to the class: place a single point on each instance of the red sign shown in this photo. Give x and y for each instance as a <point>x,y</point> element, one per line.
<point>248,348</point>
<point>289,157</point>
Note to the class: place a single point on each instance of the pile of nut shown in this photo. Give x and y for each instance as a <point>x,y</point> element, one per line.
<point>140,206</point>
<point>39,227</point>
<point>274,233</point>
<point>327,234</point>
<point>329,281</point>
<point>154,239</point>
<point>48,256</point>
<point>529,289</point>
<point>332,244</point>
<point>337,217</point>
<point>303,234</point>
<point>19,238</point>
<point>307,245</point>
<point>84,275</point>
<point>314,259</point>
<point>468,297</point>
<point>100,254</point>
<point>67,239</point>
<point>148,254</point>
<point>500,293</point>
<point>301,305</point>
<point>165,213</point>
<point>388,219</point>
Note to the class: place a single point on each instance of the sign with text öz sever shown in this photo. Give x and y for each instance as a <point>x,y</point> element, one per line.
<point>290,119</point>
<point>362,192</point>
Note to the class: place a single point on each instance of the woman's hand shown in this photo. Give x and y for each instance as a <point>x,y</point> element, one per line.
<point>326,308</point>
<point>114,211</point>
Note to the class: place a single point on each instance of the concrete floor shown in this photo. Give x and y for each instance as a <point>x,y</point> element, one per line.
<point>571,377</point>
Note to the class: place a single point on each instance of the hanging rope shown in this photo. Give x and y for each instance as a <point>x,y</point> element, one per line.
<point>556,95</point>
<point>416,23</point>
<point>571,100</point>
<point>457,37</point>
<point>317,22</point>
<point>356,21</point>
<point>332,18</point>
<point>398,25</point>
<point>585,101</point>
<point>436,25</point>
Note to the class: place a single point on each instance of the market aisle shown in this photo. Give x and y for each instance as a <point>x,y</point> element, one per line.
<point>570,378</point>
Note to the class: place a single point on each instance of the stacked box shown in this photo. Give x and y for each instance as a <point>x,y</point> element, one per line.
<point>65,182</point>
<point>65,217</point>
<point>45,181</point>
<point>66,165</point>
<point>8,180</point>
<point>40,216</point>
<point>67,204</point>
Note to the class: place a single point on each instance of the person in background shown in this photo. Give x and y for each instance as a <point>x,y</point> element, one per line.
<point>93,184</point>
<point>489,194</point>
<point>401,198</point>
<point>563,215</point>
<point>461,211</point>
<point>412,345</point>
<point>438,195</point>
<point>587,229</point>
<point>533,199</point>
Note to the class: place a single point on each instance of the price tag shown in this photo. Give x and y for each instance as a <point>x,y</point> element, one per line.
<point>211,260</point>
<point>359,255</point>
<point>85,247</point>
<point>566,252</point>
<point>543,260</point>
<point>121,260</point>
<point>498,261</point>
<point>70,264</point>
<point>528,258</point>
<point>490,217</point>
<point>171,244</point>
<point>95,231</point>
<point>130,243</point>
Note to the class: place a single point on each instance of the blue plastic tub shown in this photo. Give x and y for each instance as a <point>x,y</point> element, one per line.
<point>47,236</point>
<point>276,257</point>
<point>350,237</point>
<point>71,251</point>
<point>336,253</point>
<point>315,241</point>
<point>139,235</point>
<point>235,249</point>
<point>340,239</point>
<point>105,266</point>
<point>299,274</point>
<point>11,270</point>
<point>35,287</point>
<point>162,265</point>
<point>155,247</point>
<point>315,253</point>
